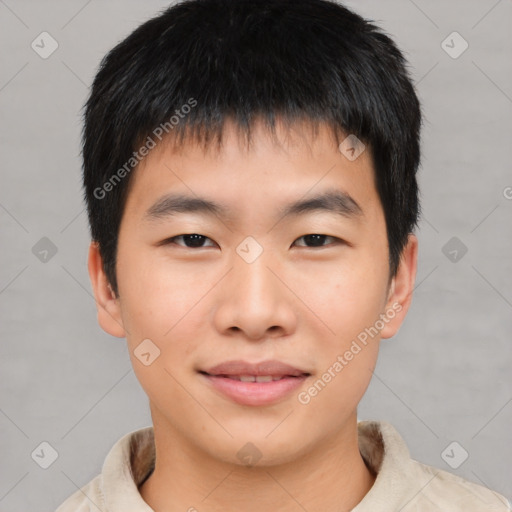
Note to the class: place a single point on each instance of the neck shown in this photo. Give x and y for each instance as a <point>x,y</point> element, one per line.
<point>332,476</point>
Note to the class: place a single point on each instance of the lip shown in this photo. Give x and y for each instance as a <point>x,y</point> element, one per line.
<point>223,378</point>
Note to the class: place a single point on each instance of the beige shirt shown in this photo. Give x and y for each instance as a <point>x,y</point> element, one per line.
<point>402,484</point>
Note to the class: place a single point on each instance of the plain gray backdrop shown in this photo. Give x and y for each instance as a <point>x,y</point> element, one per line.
<point>444,378</point>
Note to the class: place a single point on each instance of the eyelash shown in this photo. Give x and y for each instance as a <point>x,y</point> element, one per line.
<point>171,241</point>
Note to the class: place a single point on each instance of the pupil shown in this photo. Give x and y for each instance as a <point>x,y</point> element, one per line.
<point>197,240</point>
<point>317,238</point>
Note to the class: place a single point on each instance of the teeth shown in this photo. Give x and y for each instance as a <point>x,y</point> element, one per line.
<point>256,378</point>
<point>247,378</point>
<point>264,378</point>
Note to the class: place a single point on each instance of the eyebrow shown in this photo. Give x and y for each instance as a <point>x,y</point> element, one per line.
<point>331,201</point>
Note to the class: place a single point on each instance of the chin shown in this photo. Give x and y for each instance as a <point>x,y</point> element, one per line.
<point>252,451</point>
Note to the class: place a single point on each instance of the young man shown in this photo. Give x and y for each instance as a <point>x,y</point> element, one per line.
<point>249,172</point>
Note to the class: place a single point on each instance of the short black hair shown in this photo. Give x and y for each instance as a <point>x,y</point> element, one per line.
<point>199,62</point>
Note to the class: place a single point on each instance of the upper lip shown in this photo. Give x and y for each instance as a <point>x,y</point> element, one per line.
<point>270,367</point>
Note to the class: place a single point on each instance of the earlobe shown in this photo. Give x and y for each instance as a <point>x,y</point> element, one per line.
<point>109,312</point>
<point>401,288</point>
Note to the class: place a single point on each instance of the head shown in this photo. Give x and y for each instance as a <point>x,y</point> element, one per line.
<point>241,109</point>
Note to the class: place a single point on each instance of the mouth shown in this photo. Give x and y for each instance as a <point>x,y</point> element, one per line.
<point>254,384</point>
<point>256,378</point>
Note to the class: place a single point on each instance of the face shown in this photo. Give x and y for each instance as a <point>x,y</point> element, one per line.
<point>291,301</point>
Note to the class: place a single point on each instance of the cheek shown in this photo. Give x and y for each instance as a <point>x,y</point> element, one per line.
<point>158,305</point>
<point>347,299</point>
<point>157,298</point>
<point>336,393</point>
<point>348,354</point>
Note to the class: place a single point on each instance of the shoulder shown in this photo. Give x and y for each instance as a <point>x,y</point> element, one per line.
<point>126,465</point>
<point>405,484</point>
<point>445,491</point>
<point>86,499</point>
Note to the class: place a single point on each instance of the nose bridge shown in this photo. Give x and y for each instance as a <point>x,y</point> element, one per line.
<point>254,283</point>
<point>254,300</point>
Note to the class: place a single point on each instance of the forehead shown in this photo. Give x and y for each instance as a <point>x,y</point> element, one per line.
<point>269,171</point>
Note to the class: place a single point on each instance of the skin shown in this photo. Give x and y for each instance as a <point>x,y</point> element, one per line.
<point>299,303</point>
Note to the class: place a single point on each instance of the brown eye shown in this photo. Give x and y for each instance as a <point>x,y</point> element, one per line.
<point>316,240</point>
<point>190,241</point>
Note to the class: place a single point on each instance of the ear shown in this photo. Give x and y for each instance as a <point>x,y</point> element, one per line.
<point>109,311</point>
<point>400,290</point>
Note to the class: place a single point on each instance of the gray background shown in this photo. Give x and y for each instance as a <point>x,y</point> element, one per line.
<point>445,377</point>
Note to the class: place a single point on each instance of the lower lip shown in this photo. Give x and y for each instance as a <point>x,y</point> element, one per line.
<point>255,393</point>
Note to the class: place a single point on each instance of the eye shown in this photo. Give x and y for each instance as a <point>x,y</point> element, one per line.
<point>196,241</point>
<point>192,240</point>
<point>317,240</point>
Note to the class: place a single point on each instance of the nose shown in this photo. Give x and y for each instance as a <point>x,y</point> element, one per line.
<point>255,301</point>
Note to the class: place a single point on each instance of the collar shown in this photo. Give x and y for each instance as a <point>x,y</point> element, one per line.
<point>401,483</point>
<point>132,459</point>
